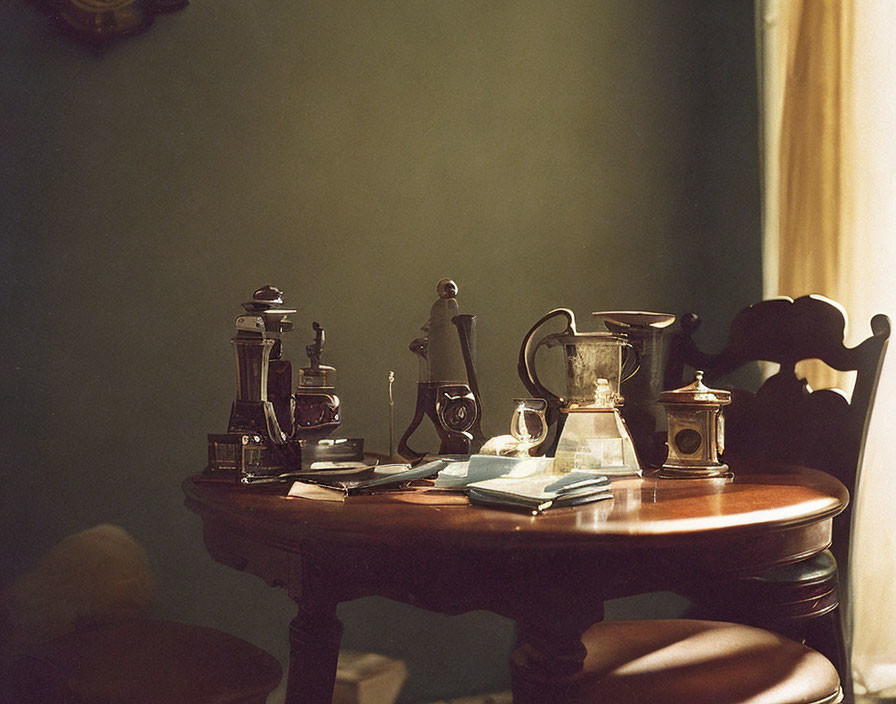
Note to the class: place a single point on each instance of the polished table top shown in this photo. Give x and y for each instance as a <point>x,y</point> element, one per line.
<point>646,511</point>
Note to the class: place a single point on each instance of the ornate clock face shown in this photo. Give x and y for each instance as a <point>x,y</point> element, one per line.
<point>456,411</point>
<point>688,441</point>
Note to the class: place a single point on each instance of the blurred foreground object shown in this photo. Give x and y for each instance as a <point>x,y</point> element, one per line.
<point>77,631</point>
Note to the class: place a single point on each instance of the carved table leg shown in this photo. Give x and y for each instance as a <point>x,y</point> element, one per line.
<point>549,656</point>
<point>314,637</point>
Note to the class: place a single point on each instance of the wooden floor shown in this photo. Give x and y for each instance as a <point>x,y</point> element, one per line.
<point>278,695</point>
<point>499,698</point>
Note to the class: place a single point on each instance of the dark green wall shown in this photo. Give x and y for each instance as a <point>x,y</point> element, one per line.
<point>594,155</point>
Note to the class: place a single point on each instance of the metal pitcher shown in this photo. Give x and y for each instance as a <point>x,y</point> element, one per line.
<point>648,333</point>
<point>589,357</point>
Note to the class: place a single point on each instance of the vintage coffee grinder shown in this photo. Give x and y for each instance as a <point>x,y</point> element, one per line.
<point>318,411</point>
<point>447,387</point>
<point>644,416</point>
<point>588,431</point>
<point>696,431</point>
<point>316,402</point>
<point>259,443</point>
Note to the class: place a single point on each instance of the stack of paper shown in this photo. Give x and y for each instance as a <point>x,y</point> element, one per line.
<point>334,485</point>
<point>540,492</point>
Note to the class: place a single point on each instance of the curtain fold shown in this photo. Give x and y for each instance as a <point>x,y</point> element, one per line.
<point>827,72</point>
<point>811,156</point>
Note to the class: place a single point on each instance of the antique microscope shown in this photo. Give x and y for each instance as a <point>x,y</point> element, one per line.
<point>265,436</point>
<point>273,431</point>
<point>447,389</point>
<point>259,442</point>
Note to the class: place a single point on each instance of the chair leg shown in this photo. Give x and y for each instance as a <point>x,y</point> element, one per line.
<point>825,634</point>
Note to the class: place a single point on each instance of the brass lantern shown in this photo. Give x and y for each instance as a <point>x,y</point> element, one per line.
<point>696,434</point>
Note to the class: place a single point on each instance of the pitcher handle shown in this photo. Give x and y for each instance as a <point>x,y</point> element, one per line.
<point>526,363</point>
<point>631,364</point>
<point>466,328</point>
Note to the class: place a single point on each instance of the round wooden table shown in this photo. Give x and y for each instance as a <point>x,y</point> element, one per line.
<point>550,573</point>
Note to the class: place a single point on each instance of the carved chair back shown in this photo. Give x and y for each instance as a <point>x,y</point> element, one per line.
<point>784,419</point>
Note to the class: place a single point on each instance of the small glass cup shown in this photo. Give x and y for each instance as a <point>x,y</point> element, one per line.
<point>529,425</point>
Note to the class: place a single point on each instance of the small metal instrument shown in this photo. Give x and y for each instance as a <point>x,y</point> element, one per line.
<point>696,431</point>
<point>316,403</point>
<point>447,389</point>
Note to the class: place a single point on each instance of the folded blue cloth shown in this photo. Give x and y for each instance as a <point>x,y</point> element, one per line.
<point>481,467</point>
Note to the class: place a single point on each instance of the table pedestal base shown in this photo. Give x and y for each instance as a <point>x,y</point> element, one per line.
<point>550,655</point>
<point>314,638</point>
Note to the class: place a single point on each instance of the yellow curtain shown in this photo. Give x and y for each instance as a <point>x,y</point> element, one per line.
<point>827,71</point>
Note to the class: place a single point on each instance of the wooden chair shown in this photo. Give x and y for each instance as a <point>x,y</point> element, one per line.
<point>77,631</point>
<point>711,662</point>
<point>786,420</point>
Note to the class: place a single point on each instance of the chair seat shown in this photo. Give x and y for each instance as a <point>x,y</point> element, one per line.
<point>147,661</point>
<point>701,662</point>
